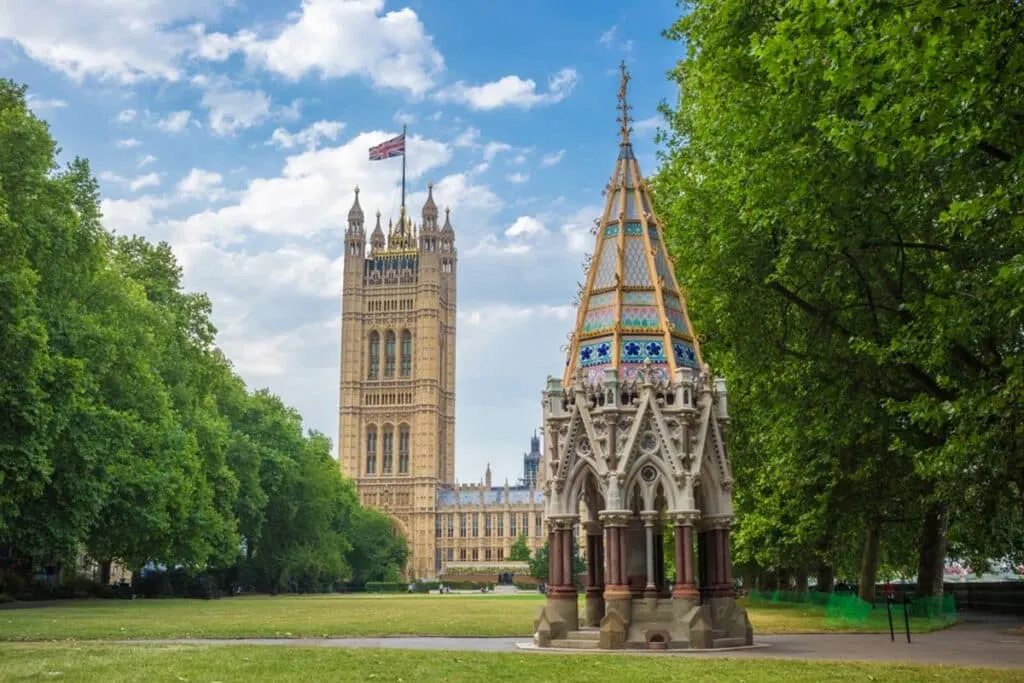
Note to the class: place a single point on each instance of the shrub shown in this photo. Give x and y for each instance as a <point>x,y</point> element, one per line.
<point>386,587</point>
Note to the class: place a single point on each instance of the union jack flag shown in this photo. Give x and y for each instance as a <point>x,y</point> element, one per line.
<point>395,147</point>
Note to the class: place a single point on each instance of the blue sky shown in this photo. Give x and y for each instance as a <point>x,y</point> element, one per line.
<point>236,131</point>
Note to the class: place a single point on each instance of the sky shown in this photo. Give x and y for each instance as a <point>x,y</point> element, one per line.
<point>236,131</point>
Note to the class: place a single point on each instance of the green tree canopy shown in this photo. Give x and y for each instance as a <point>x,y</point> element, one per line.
<point>127,435</point>
<point>843,198</point>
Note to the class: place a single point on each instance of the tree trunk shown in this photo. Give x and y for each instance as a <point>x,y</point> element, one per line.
<point>826,576</point>
<point>869,562</point>
<point>801,579</point>
<point>784,575</point>
<point>105,572</point>
<point>750,582</point>
<point>932,552</point>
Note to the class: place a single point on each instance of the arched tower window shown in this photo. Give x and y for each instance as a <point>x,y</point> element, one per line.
<point>406,353</point>
<point>374,369</point>
<point>389,354</point>
<point>386,460</point>
<point>403,449</point>
<point>371,450</point>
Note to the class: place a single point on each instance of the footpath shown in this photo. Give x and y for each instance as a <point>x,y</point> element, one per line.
<point>979,640</point>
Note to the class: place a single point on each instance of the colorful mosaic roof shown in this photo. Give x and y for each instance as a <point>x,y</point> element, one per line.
<point>631,309</point>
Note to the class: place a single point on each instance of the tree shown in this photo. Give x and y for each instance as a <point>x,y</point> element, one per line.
<point>520,549</point>
<point>849,219</point>
<point>127,434</point>
<point>541,560</point>
<point>379,552</point>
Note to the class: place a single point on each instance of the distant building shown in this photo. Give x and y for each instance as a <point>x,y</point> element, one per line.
<point>397,399</point>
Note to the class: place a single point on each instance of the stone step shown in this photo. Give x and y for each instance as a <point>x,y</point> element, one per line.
<point>729,642</point>
<point>588,635</point>
<point>576,644</point>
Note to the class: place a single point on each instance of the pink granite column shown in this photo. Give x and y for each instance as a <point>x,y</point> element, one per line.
<point>685,586</point>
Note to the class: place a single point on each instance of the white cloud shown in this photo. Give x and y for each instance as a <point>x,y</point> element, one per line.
<point>493,149</point>
<point>134,184</point>
<point>175,122</point>
<point>519,159</point>
<point>125,41</point>
<point>231,109</point>
<point>577,228</point>
<point>553,158</point>
<point>511,91</point>
<point>609,38</point>
<point>142,182</point>
<point>647,125</point>
<point>146,160</point>
<point>131,216</point>
<point>309,137</point>
<point>404,118</point>
<point>518,178</point>
<point>341,38</point>
<point>468,138</point>
<point>127,143</point>
<point>201,184</point>
<point>40,104</point>
<point>525,226</point>
<point>126,115</point>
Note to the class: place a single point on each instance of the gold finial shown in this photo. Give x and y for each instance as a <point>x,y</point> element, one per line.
<point>357,189</point>
<point>624,118</point>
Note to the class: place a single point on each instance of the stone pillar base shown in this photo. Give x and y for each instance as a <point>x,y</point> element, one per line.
<point>687,591</point>
<point>564,612</point>
<point>593,607</point>
<point>614,593</point>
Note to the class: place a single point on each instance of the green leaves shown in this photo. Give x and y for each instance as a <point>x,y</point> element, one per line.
<point>843,199</point>
<point>126,433</point>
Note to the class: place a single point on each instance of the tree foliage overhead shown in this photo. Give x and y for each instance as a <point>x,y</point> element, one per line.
<point>843,193</point>
<point>126,434</point>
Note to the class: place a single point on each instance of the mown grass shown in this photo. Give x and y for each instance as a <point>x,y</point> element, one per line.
<point>111,663</point>
<point>342,615</point>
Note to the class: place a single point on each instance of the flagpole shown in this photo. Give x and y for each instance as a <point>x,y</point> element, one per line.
<point>404,151</point>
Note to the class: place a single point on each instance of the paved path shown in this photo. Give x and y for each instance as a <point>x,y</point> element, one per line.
<point>975,643</point>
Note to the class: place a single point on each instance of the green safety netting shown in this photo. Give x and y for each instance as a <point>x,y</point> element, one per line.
<point>847,609</point>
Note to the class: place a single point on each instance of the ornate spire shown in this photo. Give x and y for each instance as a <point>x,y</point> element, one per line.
<point>355,214</point>
<point>624,118</point>
<point>430,209</point>
<point>377,238</point>
<point>447,228</point>
<point>631,309</point>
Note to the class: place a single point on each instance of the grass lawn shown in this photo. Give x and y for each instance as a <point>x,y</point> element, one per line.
<point>342,615</point>
<point>109,663</point>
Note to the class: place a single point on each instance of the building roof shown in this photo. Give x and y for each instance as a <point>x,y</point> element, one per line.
<point>496,495</point>
<point>631,308</point>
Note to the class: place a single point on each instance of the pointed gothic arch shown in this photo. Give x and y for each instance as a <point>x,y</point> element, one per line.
<point>406,352</point>
<point>389,353</point>
<point>373,355</point>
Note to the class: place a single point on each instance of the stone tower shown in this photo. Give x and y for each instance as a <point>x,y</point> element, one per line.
<point>396,437</point>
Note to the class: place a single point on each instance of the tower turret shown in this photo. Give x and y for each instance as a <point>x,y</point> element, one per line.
<point>355,235</point>
<point>377,238</point>
<point>447,232</point>
<point>428,230</point>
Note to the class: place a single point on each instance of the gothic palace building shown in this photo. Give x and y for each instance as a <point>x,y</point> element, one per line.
<point>396,436</point>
